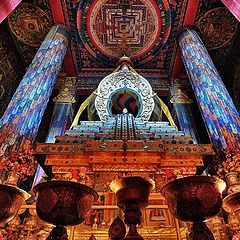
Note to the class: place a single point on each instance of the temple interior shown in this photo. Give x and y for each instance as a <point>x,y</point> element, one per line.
<point>119,120</point>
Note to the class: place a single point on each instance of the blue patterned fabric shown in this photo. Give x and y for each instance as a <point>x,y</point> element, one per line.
<point>24,113</point>
<point>218,111</point>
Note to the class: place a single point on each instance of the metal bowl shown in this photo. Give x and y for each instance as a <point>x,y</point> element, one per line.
<point>132,190</point>
<point>63,202</point>
<point>11,199</point>
<point>195,198</point>
<point>231,203</point>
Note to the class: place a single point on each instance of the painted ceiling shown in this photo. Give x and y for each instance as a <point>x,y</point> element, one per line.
<point>144,30</point>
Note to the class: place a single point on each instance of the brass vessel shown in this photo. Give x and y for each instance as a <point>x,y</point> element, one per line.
<point>11,199</point>
<point>231,203</point>
<point>132,194</point>
<point>63,203</point>
<point>195,199</point>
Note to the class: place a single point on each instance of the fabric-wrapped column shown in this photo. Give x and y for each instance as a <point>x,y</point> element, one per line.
<point>219,113</point>
<point>63,109</point>
<point>181,106</point>
<point>62,115</point>
<point>23,115</point>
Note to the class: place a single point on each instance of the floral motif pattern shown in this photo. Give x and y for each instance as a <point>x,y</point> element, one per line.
<point>124,79</point>
<point>231,161</point>
<point>20,161</point>
<point>174,173</point>
<point>78,175</point>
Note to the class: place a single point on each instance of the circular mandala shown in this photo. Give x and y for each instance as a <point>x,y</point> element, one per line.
<point>109,29</point>
<point>29,24</point>
<point>217,27</point>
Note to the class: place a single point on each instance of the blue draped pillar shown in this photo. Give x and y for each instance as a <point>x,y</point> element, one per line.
<point>62,117</point>
<point>181,107</point>
<point>23,115</point>
<point>219,113</point>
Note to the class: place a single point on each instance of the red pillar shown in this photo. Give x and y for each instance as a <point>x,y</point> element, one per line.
<point>234,7</point>
<point>6,7</point>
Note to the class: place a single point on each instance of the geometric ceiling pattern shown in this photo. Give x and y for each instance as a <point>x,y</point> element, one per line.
<point>144,30</point>
<point>138,29</point>
<point>30,24</point>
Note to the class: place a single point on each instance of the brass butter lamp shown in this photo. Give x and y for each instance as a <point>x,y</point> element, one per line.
<point>195,199</point>
<point>231,203</point>
<point>63,203</point>
<point>132,195</point>
<point>11,199</point>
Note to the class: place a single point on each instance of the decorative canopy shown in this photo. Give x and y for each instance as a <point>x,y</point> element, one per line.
<point>124,81</point>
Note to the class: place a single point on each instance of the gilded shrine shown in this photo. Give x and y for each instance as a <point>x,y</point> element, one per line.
<point>119,120</point>
<point>127,138</point>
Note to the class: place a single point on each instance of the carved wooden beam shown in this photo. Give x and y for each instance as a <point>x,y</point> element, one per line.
<point>134,146</point>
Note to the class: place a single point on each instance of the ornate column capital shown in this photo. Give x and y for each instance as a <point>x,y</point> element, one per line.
<point>68,81</point>
<point>182,83</point>
<point>179,97</point>
<point>67,92</point>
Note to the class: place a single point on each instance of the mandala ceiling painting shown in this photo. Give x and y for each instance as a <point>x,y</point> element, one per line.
<point>110,29</point>
<point>30,24</point>
<point>217,26</point>
<point>144,30</point>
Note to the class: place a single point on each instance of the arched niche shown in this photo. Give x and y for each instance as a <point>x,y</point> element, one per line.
<point>130,82</point>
